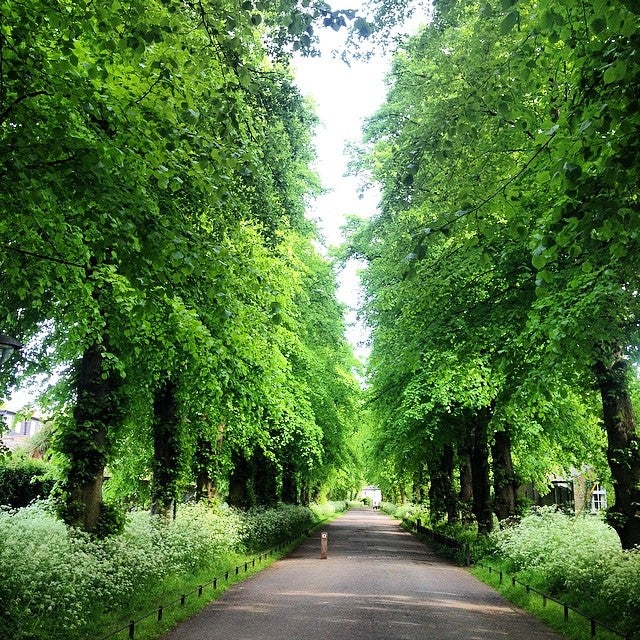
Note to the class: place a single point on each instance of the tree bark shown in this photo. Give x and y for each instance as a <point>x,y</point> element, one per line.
<point>505,486</point>
<point>85,441</point>
<point>442,498</point>
<point>205,460</point>
<point>450,498</point>
<point>479,459</point>
<point>166,449</point>
<point>289,484</point>
<point>623,449</point>
<point>465,497</point>
<point>239,483</point>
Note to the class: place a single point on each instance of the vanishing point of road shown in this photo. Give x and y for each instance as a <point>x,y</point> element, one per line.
<point>378,582</point>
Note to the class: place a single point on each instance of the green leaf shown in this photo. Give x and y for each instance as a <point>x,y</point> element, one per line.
<point>509,22</point>
<point>617,71</point>
<point>486,11</point>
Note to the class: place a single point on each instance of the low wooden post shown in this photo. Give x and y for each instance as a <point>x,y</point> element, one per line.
<point>323,545</point>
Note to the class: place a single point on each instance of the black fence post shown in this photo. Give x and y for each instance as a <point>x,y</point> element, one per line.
<point>160,611</point>
<point>132,629</point>
<point>566,612</point>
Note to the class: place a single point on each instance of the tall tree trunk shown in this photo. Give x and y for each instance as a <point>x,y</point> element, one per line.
<point>479,460</point>
<point>420,479</point>
<point>505,486</point>
<point>85,441</point>
<point>450,498</point>
<point>203,461</point>
<point>289,484</point>
<point>166,448</point>
<point>442,498</point>
<point>465,497</point>
<point>264,479</point>
<point>437,507</point>
<point>623,449</point>
<point>239,481</point>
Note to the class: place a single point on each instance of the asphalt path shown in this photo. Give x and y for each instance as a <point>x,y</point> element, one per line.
<point>378,582</point>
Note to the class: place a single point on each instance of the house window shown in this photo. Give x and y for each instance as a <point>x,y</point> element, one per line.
<point>598,498</point>
<point>562,495</point>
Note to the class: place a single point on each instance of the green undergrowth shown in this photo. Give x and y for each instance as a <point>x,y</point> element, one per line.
<point>58,583</point>
<point>198,589</point>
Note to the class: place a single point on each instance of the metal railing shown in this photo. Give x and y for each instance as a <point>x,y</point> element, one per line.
<point>594,624</point>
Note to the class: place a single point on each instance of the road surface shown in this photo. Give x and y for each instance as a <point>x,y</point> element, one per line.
<point>377,583</point>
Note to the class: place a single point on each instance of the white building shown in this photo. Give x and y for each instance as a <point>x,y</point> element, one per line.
<point>374,494</point>
<point>16,431</point>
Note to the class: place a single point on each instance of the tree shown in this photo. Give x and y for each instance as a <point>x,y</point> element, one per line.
<point>141,147</point>
<point>475,150</point>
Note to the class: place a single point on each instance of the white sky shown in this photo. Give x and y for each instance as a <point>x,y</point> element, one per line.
<point>343,96</point>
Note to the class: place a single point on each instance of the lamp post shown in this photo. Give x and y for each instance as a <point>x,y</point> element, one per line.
<point>7,346</point>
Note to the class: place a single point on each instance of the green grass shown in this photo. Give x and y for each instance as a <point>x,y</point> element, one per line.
<point>577,627</point>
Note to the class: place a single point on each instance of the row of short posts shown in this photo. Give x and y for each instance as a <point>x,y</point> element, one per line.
<point>183,597</point>
<point>593,622</point>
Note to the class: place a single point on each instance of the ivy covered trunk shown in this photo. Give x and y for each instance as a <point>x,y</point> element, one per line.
<point>623,449</point>
<point>85,441</point>
<point>479,459</point>
<point>289,484</point>
<point>504,481</point>
<point>166,448</point>
<point>239,482</point>
<point>204,458</point>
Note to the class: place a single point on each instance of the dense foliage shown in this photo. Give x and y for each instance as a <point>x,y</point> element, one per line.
<point>502,277</point>
<point>57,583</point>
<point>23,480</point>
<point>154,173</point>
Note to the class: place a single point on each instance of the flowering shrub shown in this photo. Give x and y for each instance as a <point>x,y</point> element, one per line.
<point>56,581</point>
<point>577,558</point>
<point>266,527</point>
<point>559,549</point>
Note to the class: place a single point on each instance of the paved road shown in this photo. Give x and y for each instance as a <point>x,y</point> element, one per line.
<point>377,583</point>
